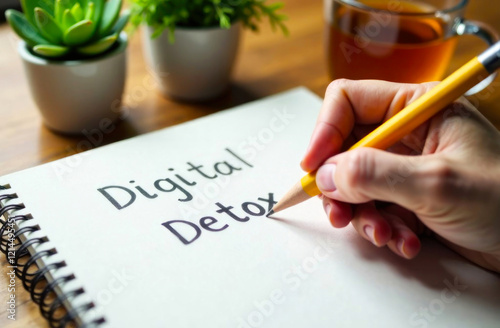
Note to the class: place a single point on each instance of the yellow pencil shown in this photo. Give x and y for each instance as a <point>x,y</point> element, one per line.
<point>409,118</point>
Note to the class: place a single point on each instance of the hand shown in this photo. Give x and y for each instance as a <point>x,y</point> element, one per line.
<point>443,177</point>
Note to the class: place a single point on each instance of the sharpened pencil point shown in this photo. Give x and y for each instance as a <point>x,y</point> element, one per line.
<point>294,196</point>
<point>270,213</point>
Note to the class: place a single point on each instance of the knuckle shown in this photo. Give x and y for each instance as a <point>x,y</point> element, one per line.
<point>360,172</point>
<point>335,85</point>
<point>428,85</point>
<point>414,91</point>
<point>439,179</point>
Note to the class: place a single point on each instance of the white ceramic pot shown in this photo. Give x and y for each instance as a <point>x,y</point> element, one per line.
<point>79,95</point>
<point>197,66</point>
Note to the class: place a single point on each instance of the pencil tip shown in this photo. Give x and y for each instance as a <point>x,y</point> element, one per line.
<point>292,197</point>
<point>271,212</point>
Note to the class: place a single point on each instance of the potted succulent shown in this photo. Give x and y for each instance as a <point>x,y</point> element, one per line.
<point>191,45</point>
<point>73,53</point>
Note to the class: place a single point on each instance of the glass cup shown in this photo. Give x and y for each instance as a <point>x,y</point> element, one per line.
<point>399,41</point>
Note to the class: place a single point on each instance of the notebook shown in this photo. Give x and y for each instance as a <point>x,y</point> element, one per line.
<point>170,229</point>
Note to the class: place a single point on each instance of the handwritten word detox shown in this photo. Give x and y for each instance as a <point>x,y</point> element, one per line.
<point>179,185</point>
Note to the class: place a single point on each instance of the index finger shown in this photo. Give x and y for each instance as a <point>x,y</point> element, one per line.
<point>348,103</point>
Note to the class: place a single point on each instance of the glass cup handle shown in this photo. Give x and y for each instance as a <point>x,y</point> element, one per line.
<point>485,32</point>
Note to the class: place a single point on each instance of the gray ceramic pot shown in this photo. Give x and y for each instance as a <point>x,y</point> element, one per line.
<point>197,66</point>
<point>77,96</point>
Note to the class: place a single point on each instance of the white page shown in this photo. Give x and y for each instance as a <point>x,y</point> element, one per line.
<point>295,271</point>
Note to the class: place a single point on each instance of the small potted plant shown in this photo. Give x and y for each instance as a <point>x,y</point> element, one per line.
<point>191,45</point>
<point>74,58</point>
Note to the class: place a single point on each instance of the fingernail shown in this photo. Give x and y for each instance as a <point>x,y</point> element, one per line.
<point>324,177</point>
<point>328,208</point>
<point>370,233</point>
<point>400,245</point>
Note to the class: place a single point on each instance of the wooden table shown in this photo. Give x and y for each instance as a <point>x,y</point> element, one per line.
<point>268,63</point>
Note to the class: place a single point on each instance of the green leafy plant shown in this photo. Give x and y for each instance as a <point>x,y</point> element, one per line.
<point>68,28</point>
<point>169,14</point>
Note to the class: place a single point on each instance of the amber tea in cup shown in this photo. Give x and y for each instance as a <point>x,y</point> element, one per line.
<point>400,41</point>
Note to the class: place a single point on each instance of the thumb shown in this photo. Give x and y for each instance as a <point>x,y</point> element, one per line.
<point>366,174</point>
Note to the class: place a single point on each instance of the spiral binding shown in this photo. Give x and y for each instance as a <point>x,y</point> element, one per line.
<point>32,276</point>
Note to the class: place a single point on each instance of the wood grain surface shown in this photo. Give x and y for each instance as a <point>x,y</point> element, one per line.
<point>267,64</point>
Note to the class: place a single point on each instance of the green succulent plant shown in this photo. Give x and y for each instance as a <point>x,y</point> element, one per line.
<point>68,28</point>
